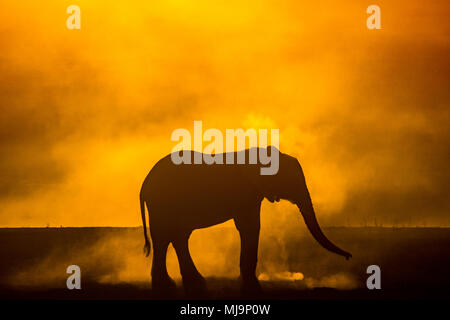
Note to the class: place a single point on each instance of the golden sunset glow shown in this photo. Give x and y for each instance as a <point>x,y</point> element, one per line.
<point>87,113</point>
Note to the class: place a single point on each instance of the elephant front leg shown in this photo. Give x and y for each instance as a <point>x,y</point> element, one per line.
<point>248,228</point>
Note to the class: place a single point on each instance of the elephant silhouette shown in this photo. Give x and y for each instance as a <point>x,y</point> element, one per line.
<point>184,197</point>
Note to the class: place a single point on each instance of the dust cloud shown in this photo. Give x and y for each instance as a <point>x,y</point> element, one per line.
<point>115,256</point>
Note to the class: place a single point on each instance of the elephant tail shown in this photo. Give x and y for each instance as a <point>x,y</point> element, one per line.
<point>147,246</point>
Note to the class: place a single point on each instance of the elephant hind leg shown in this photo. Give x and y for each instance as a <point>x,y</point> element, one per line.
<point>161,280</point>
<point>193,282</point>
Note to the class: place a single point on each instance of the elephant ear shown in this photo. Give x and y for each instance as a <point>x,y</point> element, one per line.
<point>264,185</point>
<point>249,175</point>
<point>269,183</point>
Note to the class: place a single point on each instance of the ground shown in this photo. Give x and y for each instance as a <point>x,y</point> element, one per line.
<point>414,264</point>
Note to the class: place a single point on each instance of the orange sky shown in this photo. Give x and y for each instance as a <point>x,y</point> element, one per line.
<point>87,113</point>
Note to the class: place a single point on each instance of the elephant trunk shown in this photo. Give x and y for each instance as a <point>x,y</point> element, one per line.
<point>307,211</point>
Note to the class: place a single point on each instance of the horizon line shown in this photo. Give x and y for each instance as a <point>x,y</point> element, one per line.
<point>136,227</point>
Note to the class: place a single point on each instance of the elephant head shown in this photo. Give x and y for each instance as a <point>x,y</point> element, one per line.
<point>289,184</point>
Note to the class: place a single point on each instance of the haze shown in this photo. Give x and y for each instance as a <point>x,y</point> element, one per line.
<point>86,113</point>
